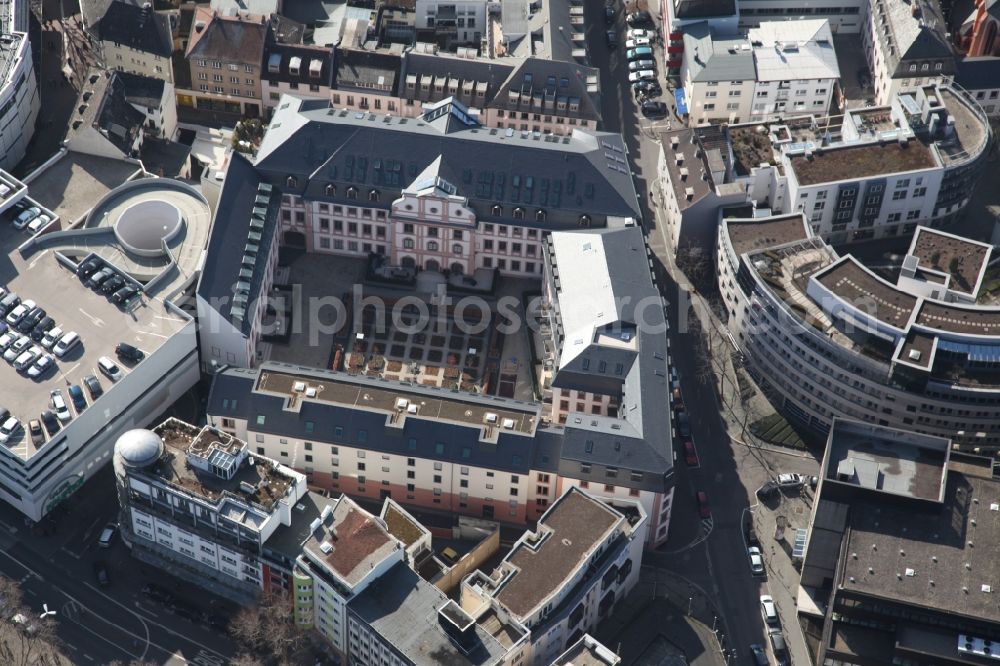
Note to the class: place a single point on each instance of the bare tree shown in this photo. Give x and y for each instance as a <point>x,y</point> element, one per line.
<point>269,633</point>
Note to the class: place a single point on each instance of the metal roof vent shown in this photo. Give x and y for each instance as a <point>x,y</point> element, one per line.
<point>986,588</point>
<point>871,570</point>
<point>911,573</point>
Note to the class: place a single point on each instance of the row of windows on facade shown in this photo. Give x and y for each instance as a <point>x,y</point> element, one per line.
<point>219,90</point>
<point>217,64</point>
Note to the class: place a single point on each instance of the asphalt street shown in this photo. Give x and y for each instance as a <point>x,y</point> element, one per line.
<point>709,554</point>
<point>94,624</point>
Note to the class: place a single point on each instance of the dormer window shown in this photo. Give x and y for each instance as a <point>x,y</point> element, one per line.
<point>373,195</point>
<point>539,215</point>
<point>291,181</point>
<point>331,190</point>
<point>352,192</point>
<point>518,213</point>
<point>585,221</point>
<point>498,210</point>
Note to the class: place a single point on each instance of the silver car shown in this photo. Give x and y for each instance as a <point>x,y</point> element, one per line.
<point>638,65</point>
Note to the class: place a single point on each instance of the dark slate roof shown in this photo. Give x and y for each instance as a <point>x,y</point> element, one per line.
<point>512,453</point>
<point>979,73</point>
<point>490,73</point>
<point>556,80</point>
<point>228,38</point>
<point>282,54</point>
<point>136,26</point>
<point>920,37</point>
<point>403,609</point>
<point>102,106</point>
<point>164,158</point>
<point>286,542</point>
<point>285,30</point>
<point>230,232</point>
<point>582,174</point>
<point>367,70</point>
<point>142,90</point>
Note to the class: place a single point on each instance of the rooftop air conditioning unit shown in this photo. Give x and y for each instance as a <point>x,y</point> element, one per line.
<point>310,392</point>
<point>401,403</point>
<point>299,387</point>
<point>412,409</point>
<point>326,547</point>
<point>491,417</point>
<point>248,488</point>
<point>508,424</point>
<point>914,354</point>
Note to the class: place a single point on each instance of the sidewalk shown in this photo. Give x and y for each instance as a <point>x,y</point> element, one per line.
<point>664,620</point>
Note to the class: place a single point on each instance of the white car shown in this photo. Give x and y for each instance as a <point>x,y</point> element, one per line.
<point>16,347</point>
<point>44,363</point>
<point>8,428</point>
<point>27,357</point>
<point>109,368</point>
<point>638,41</point>
<point>66,343</point>
<point>639,33</point>
<point>20,312</point>
<point>643,75</point>
<point>768,610</point>
<point>51,337</point>
<point>38,222</point>
<point>791,480</point>
<point>59,406</point>
<point>7,339</point>
<point>756,560</point>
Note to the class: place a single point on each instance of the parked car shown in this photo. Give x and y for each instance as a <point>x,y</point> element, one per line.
<point>16,347</point>
<point>107,535</point>
<point>653,109</point>
<point>35,430</point>
<point>609,14</point>
<point>36,224</point>
<point>791,480</point>
<point>127,352</point>
<point>93,385</point>
<point>768,610</point>
<point>7,339</point>
<point>27,357</point>
<point>109,368</point>
<point>767,490</point>
<point>637,65</point>
<point>611,37</point>
<point>88,268</point>
<point>690,454</point>
<point>42,366</point>
<point>31,320</point>
<point>113,284</point>
<point>50,422</point>
<point>756,560</point>
<point>640,33</point>
<point>8,303</point>
<point>51,337</point>
<point>635,42</point>
<point>98,278</point>
<point>778,646</point>
<point>644,75</point>
<point>41,328</point>
<point>683,424</point>
<point>759,655</point>
<point>77,398</point>
<point>101,574</point>
<point>124,294</point>
<point>647,88</point>
<point>640,53</point>
<point>8,429</point>
<point>59,406</point>
<point>15,316</point>
<point>25,217</point>
<point>158,593</point>
<point>66,343</point>
<point>639,18</point>
<point>703,509</point>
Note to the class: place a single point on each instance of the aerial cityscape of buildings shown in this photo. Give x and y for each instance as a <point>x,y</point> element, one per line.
<point>553,333</point>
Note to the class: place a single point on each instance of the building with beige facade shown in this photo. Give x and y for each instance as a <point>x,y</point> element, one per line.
<point>224,53</point>
<point>134,38</point>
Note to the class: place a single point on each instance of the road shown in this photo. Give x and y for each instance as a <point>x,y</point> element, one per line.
<point>100,625</point>
<point>709,554</point>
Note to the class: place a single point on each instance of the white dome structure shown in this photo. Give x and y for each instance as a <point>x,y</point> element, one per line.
<point>138,448</point>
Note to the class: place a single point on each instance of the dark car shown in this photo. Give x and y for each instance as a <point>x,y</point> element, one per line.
<point>651,108</point>
<point>612,38</point>
<point>703,509</point>
<point>42,327</point>
<point>77,398</point>
<point>113,284</point>
<point>759,655</point>
<point>98,278</point>
<point>767,490</point>
<point>215,621</point>
<point>157,593</point>
<point>51,422</point>
<point>93,385</point>
<point>31,320</point>
<point>88,268</point>
<point>609,14</point>
<point>683,424</point>
<point>101,574</point>
<point>124,294</point>
<point>647,88</point>
<point>127,352</point>
<point>639,18</point>
<point>690,454</point>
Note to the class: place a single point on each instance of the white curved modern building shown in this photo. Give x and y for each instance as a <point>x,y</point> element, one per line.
<point>19,100</point>
<point>826,337</point>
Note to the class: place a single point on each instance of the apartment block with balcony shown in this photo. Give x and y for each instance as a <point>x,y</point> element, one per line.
<point>872,172</point>
<point>827,338</point>
<point>197,501</point>
<point>225,53</point>
<point>796,66</point>
<point>454,23</point>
